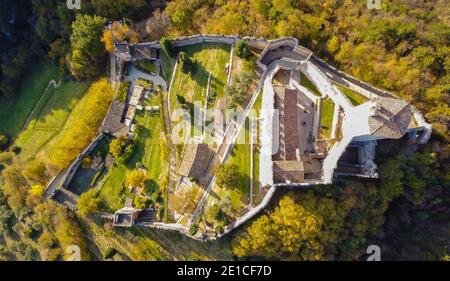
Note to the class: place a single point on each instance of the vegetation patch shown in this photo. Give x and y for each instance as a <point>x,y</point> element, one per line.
<point>326,118</point>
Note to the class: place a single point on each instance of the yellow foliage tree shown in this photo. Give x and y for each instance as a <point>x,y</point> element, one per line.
<point>118,33</point>
<point>82,125</point>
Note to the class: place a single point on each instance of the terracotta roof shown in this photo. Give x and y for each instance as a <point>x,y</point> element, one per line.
<point>390,117</point>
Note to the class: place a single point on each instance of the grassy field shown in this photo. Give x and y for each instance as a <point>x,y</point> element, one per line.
<point>14,111</point>
<point>354,97</point>
<point>305,82</point>
<point>211,58</point>
<point>326,118</point>
<point>49,116</point>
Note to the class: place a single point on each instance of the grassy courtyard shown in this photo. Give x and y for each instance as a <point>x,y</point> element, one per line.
<point>354,97</point>
<point>148,152</point>
<point>211,59</point>
<point>326,118</point>
<point>14,111</point>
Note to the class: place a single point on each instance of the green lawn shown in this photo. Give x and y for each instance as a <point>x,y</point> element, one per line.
<point>326,118</point>
<point>305,82</point>
<point>14,111</point>
<point>354,97</point>
<point>211,58</point>
<point>49,116</point>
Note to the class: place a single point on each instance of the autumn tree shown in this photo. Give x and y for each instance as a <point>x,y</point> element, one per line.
<point>135,178</point>
<point>118,32</point>
<point>88,115</point>
<point>35,171</point>
<point>88,203</point>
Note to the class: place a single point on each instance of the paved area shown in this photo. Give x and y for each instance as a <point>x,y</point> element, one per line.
<point>135,74</point>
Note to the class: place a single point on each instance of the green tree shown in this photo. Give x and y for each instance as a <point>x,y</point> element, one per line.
<point>88,203</point>
<point>242,49</point>
<point>87,51</point>
<point>228,175</point>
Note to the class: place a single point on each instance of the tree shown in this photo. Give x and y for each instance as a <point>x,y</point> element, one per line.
<point>118,32</point>
<point>239,88</point>
<point>135,178</point>
<point>168,46</point>
<point>228,175</point>
<point>187,63</point>
<point>180,13</point>
<point>4,141</point>
<point>88,203</point>
<point>117,9</point>
<point>34,171</point>
<point>157,25</point>
<point>34,195</point>
<point>118,145</point>
<point>87,52</point>
<point>242,49</point>
<point>88,115</point>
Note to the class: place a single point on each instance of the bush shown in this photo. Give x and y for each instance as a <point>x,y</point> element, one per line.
<point>4,141</point>
<point>86,162</point>
<point>242,49</point>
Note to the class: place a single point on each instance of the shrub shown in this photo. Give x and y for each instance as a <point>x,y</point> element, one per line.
<point>242,49</point>
<point>86,162</point>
